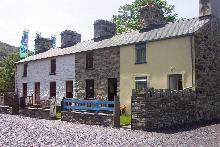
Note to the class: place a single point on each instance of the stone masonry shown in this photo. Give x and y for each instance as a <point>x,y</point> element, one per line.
<point>156,109</point>
<point>207,59</point>
<point>105,65</point>
<point>88,118</point>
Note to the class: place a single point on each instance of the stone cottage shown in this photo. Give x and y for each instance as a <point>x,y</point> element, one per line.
<point>161,55</point>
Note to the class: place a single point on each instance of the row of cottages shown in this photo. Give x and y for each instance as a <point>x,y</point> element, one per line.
<point>161,55</point>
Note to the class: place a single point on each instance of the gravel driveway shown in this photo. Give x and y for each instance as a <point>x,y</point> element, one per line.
<point>24,131</point>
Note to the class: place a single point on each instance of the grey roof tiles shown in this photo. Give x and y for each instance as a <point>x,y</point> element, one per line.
<point>170,30</point>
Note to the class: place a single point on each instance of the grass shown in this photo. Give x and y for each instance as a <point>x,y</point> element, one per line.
<point>125,119</point>
<point>58,115</point>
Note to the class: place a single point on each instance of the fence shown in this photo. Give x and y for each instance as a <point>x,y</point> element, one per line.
<point>9,103</point>
<point>155,109</point>
<point>6,98</point>
<point>91,111</point>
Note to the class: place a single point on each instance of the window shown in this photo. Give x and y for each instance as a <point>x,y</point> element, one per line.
<point>25,70</point>
<point>140,83</point>
<point>52,89</point>
<point>89,60</point>
<point>89,89</point>
<point>140,53</point>
<point>53,67</point>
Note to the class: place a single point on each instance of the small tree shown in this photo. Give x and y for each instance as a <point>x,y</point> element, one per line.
<point>7,72</point>
<point>128,17</point>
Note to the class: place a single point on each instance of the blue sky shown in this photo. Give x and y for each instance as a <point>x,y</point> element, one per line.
<point>54,16</point>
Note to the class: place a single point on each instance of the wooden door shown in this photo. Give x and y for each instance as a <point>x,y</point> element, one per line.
<point>25,90</point>
<point>89,89</point>
<point>52,89</point>
<point>69,89</point>
<point>37,93</point>
<point>112,88</point>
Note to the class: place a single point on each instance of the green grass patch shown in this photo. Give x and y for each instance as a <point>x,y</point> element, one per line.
<point>125,119</point>
<point>58,115</point>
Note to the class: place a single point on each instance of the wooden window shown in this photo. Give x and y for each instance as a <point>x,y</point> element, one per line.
<point>89,89</point>
<point>52,89</point>
<point>140,83</point>
<point>53,67</point>
<point>89,60</point>
<point>25,70</point>
<point>140,50</point>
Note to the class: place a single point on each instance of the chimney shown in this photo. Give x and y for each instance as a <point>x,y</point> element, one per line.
<point>103,29</point>
<point>151,16</point>
<point>69,38</point>
<point>42,44</point>
<point>209,7</point>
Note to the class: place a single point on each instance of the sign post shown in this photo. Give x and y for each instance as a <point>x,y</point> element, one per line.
<point>23,51</point>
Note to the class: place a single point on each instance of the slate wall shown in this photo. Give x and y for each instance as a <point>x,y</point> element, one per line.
<point>207,59</point>
<point>156,109</point>
<point>88,118</point>
<point>105,65</point>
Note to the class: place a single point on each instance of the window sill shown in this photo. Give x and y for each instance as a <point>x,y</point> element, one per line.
<point>141,63</point>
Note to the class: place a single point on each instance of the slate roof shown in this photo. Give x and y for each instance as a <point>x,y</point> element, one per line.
<point>176,29</point>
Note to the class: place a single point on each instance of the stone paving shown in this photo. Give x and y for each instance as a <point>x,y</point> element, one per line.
<point>25,131</point>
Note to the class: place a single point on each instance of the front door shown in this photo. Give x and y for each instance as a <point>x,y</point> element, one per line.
<point>25,90</point>
<point>69,89</point>
<point>37,93</point>
<point>52,89</point>
<point>89,89</point>
<point>175,82</point>
<point>112,88</point>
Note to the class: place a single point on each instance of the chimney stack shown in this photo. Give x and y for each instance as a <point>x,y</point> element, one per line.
<point>209,7</point>
<point>103,29</point>
<point>151,16</point>
<point>42,44</point>
<point>69,38</point>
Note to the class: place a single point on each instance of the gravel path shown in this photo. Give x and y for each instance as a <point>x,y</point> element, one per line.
<point>24,131</point>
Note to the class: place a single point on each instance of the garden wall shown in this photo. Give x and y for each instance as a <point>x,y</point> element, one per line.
<point>156,109</point>
<point>88,118</point>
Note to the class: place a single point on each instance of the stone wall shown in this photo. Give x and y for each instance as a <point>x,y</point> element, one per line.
<point>156,109</point>
<point>105,65</point>
<point>5,110</point>
<point>88,118</point>
<point>207,58</point>
<point>35,113</point>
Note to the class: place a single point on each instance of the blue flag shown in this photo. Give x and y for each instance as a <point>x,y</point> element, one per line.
<point>24,45</point>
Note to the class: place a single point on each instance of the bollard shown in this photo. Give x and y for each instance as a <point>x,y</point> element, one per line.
<point>116,117</point>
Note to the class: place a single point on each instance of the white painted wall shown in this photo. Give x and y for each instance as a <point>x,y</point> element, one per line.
<point>38,71</point>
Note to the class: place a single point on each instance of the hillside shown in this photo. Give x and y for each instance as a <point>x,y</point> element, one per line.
<point>6,49</point>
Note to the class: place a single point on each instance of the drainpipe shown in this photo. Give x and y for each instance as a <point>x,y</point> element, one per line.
<point>192,59</point>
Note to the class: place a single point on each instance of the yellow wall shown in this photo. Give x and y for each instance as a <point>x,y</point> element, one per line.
<point>162,56</point>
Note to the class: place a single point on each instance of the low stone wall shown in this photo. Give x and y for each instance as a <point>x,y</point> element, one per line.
<point>88,118</point>
<point>5,110</point>
<point>35,113</point>
<point>156,109</point>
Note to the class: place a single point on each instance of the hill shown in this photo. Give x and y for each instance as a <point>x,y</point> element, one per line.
<point>6,49</point>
